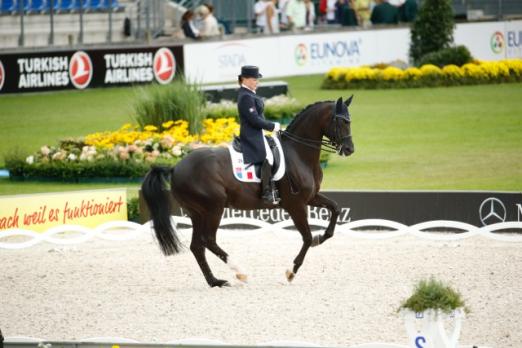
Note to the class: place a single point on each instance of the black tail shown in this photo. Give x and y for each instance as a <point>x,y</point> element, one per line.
<point>156,192</point>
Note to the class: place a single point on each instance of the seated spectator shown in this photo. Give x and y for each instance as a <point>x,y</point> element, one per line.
<point>310,15</point>
<point>384,13</point>
<point>187,24</point>
<point>408,11</point>
<point>345,14</point>
<point>208,25</point>
<point>224,26</point>
<point>296,14</point>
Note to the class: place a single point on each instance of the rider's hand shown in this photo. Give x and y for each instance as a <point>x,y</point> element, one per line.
<point>277,127</point>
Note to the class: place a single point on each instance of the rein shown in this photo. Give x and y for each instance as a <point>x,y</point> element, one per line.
<point>327,145</point>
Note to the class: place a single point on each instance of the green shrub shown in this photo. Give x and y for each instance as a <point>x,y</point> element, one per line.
<point>68,171</point>
<point>433,294</point>
<point>432,30</point>
<point>133,209</point>
<point>179,100</point>
<point>279,108</point>
<point>458,55</point>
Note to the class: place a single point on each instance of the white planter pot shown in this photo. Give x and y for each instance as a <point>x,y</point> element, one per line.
<point>426,329</point>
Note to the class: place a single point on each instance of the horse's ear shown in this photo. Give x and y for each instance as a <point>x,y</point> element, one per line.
<point>339,106</point>
<point>349,100</point>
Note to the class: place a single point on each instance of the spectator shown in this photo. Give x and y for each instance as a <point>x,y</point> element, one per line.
<point>310,15</point>
<point>188,27</point>
<point>296,13</point>
<point>362,9</point>
<point>222,25</point>
<point>345,14</point>
<point>330,11</point>
<point>283,22</point>
<point>408,11</point>
<point>260,12</point>
<point>272,17</point>
<point>208,23</point>
<point>384,13</point>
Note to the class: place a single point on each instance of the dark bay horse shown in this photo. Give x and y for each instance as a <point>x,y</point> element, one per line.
<point>203,184</point>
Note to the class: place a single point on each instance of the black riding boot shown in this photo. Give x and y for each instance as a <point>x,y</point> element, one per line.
<point>269,193</point>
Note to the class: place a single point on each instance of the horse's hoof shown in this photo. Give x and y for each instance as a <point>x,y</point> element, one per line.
<point>242,277</point>
<point>290,276</point>
<point>219,283</point>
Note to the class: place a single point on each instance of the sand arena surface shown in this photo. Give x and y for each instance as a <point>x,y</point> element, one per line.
<point>346,293</point>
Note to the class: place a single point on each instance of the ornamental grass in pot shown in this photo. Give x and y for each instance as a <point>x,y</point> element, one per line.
<point>432,305</point>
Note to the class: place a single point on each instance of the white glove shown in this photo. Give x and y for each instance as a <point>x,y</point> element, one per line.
<point>277,127</point>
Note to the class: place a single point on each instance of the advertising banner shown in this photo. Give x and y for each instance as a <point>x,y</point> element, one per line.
<point>39,212</point>
<point>56,70</point>
<point>312,53</point>
<point>406,207</point>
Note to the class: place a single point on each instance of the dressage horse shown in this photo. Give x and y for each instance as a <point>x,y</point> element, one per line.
<point>203,184</point>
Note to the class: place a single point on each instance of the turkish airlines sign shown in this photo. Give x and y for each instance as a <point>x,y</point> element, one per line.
<point>43,71</point>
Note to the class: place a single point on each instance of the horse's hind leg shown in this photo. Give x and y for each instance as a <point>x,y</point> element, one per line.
<point>212,227</point>
<point>197,246</point>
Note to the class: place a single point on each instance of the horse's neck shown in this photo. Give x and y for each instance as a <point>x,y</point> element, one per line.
<point>307,130</point>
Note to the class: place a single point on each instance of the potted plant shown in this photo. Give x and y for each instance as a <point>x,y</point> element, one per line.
<point>431,305</point>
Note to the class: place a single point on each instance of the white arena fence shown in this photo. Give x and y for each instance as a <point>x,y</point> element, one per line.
<point>118,342</point>
<point>373,229</point>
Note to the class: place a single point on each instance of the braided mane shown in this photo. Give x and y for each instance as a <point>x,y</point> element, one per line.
<point>301,113</point>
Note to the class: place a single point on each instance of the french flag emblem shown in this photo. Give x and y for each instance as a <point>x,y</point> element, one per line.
<point>239,172</point>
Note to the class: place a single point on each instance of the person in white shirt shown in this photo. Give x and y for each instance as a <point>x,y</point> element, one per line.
<point>330,11</point>
<point>296,13</point>
<point>282,4</point>
<point>208,25</point>
<point>260,12</point>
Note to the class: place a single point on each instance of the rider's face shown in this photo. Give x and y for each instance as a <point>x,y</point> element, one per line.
<point>250,82</point>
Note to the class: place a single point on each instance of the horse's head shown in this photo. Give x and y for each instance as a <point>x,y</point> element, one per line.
<point>339,128</point>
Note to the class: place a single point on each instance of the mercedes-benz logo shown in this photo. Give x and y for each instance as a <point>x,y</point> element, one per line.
<point>491,211</point>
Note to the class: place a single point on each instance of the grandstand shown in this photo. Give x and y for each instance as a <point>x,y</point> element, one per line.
<point>39,23</point>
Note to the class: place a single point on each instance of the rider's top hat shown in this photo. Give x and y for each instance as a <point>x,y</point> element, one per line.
<point>250,71</point>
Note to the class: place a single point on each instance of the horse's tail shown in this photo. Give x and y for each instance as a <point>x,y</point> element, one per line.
<point>156,190</point>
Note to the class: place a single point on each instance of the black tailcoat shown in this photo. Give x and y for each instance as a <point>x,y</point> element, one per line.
<point>252,120</point>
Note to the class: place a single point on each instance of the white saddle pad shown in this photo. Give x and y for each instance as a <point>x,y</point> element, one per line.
<point>242,173</point>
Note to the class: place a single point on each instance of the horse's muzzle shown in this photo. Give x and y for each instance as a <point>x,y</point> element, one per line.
<point>347,147</point>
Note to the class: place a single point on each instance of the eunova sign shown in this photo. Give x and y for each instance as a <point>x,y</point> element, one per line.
<point>55,70</point>
<point>39,212</point>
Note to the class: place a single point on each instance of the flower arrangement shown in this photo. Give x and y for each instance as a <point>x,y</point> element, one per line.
<point>127,152</point>
<point>478,72</point>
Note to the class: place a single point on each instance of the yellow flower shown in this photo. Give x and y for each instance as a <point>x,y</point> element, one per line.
<point>168,124</point>
<point>430,70</point>
<point>453,72</point>
<point>392,73</point>
<point>413,73</point>
<point>150,128</point>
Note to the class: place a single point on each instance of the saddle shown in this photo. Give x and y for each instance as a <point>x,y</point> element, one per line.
<point>249,172</point>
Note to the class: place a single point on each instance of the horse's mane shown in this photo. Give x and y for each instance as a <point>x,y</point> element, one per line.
<point>301,113</point>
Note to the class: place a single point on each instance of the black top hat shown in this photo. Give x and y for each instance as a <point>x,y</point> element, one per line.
<point>250,71</point>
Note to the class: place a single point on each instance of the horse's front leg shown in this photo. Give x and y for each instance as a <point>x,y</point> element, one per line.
<point>299,216</point>
<point>322,201</point>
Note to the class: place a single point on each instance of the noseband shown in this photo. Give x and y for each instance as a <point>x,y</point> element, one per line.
<point>328,145</point>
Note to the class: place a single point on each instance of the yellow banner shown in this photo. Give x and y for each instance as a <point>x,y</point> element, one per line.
<point>39,212</point>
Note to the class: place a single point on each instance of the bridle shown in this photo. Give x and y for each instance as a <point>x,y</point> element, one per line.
<point>328,145</point>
